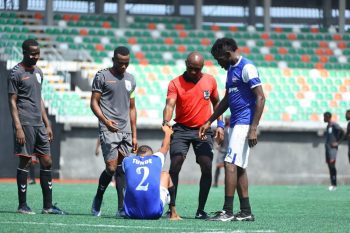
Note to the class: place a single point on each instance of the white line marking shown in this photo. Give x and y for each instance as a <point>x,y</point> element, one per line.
<point>184,229</point>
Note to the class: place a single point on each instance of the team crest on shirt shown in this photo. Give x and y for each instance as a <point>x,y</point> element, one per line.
<point>38,77</point>
<point>234,79</point>
<point>128,85</point>
<point>206,94</point>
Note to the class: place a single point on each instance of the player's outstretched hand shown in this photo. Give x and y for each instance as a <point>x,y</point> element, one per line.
<point>203,130</point>
<point>167,129</point>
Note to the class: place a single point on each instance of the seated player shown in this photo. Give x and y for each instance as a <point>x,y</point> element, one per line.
<point>148,189</point>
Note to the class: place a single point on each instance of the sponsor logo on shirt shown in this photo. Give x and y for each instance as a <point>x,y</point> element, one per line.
<point>25,78</point>
<point>38,77</point>
<point>111,81</point>
<point>206,94</point>
<point>128,85</point>
<point>232,89</point>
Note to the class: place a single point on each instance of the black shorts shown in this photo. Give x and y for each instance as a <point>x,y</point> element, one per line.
<point>184,136</point>
<point>37,142</point>
<point>331,153</point>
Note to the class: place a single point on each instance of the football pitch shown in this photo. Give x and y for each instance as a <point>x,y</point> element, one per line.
<point>276,208</point>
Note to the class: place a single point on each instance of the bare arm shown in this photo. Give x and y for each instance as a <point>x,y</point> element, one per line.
<point>260,103</point>
<point>95,107</point>
<point>20,138</point>
<point>166,140</point>
<point>219,134</point>
<point>215,102</point>
<point>220,109</point>
<point>168,110</point>
<point>98,144</point>
<point>133,117</point>
<point>341,137</point>
<point>46,121</point>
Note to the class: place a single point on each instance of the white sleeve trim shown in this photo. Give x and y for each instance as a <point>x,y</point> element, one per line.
<point>249,72</point>
<point>256,85</point>
<point>161,156</point>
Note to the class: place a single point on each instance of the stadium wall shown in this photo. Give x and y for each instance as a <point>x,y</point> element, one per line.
<point>8,162</point>
<point>279,158</point>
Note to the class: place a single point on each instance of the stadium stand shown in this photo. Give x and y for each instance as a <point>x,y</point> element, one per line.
<point>305,70</point>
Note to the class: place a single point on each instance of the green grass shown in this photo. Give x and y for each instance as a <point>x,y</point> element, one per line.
<point>277,209</point>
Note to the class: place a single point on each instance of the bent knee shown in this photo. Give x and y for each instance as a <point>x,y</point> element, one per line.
<point>111,166</point>
<point>230,167</point>
<point>46,162</point>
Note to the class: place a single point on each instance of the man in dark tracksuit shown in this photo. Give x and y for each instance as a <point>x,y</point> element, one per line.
<point>334,135</point>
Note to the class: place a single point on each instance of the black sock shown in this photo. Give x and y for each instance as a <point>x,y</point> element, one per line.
<point>175,178</point>
<point>32,172</point>
<point>217,174</point>
<point>333,174</point>
<point>22,176</point>
<point>46,187</point>
<point>172,196</point>
<point>228,205</point>
<point>103,183</point>
<point>120,185</point>
<point>245,205</point>
<point>204,187</point>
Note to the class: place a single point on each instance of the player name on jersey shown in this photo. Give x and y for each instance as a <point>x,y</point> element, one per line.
<point>148,161</point>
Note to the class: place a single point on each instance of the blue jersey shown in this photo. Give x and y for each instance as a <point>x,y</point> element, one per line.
<point>241,79</point>
<point>142,193</point>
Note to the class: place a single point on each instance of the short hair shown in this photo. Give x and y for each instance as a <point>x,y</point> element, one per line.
<point>144,149</point>
<point>223,45</point>
<point>327,114</point>
<point>27,43</point>
<point>348,110</point>
<point>122,50</point>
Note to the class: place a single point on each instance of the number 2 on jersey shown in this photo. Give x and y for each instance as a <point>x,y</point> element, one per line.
<point>142,186</point>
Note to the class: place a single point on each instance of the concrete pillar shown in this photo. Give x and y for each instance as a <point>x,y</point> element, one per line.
<point>121,13</point>
<point>176,8</point>
<point>198,16</point>
<point>23,5</point>
<point>267,16</point>
<point>342,7</point>
<point>327,13</point>
<point>49,13</point>
<point>99,6</point>
<point>251,11</point>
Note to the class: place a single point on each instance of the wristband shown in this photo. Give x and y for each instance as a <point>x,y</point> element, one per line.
<point>220,124</point>
<point>165,122</point>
